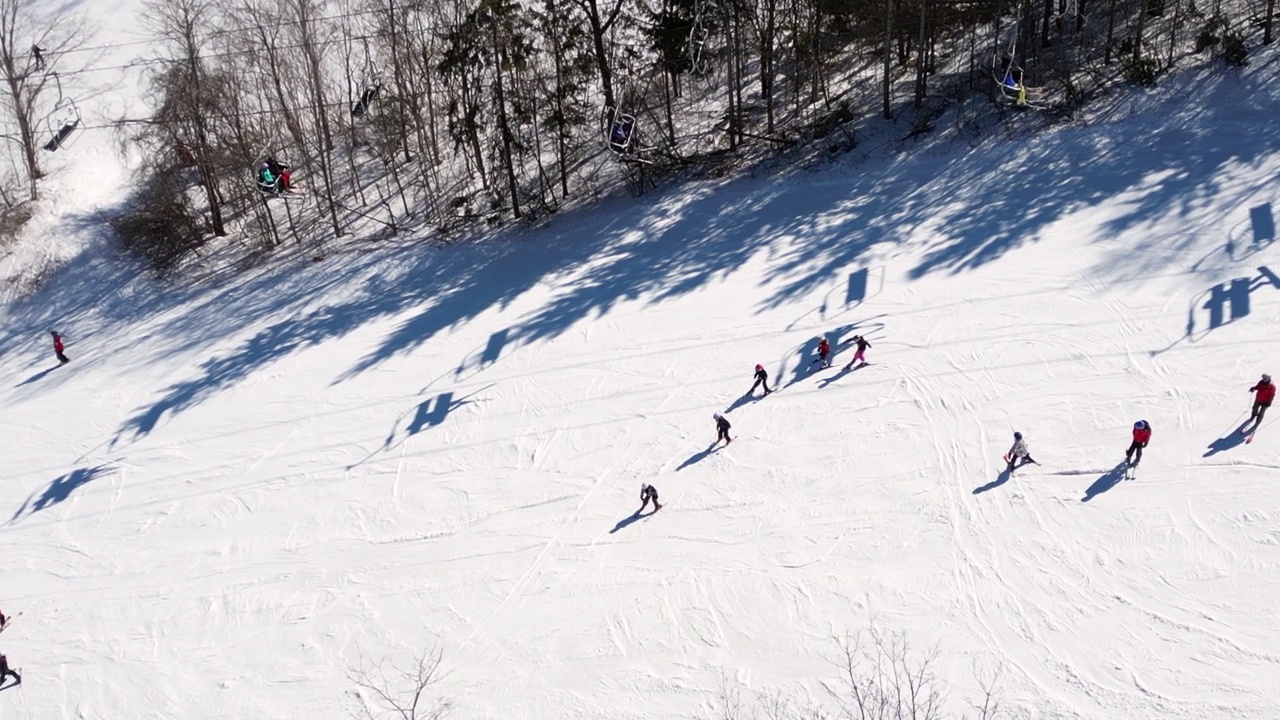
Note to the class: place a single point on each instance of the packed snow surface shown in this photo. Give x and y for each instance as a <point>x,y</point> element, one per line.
<point>242,489</point>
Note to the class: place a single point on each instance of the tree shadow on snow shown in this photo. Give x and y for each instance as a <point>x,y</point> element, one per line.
<point>633,517</point>
<point>672,244</point>
<point>807,361</point>
<point>60,489</point>
<point>1109,479</point>
<point>431,414</point>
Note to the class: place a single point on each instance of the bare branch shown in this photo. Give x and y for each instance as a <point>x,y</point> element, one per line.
<point>404,694</point>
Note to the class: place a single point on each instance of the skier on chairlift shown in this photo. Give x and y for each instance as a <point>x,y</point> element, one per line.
<point>365,101</point>
<point>274,176</point>
<point>622,133</point>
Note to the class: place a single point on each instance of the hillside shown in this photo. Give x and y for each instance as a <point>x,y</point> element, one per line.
<point>243,488</point>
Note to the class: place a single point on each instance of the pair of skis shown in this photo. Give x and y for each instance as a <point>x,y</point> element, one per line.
<point>825,364</point>
<point>1249,431</point>
<point>1007,459</point>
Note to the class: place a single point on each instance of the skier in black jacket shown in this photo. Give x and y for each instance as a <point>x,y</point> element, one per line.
<point>722,429</point>
<point>647,493</point>
<point>5,672</point>
<point>859,355</point>
<point>762,378</point>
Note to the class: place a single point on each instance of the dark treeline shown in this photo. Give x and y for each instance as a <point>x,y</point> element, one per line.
<point>444,113</point>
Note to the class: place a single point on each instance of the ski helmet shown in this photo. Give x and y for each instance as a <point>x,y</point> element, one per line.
<point>759,367</point>
<point>1141,424</point>
<point>1017,436</point>
<point>1266,378</point>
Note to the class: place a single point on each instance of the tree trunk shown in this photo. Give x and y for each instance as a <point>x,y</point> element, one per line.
<point>1046,18</point>
<point>1111,30</point>
<point>22,93</point>
<point>504,124</point>
<point>1137,34</point>
<point>600,27</point>
<point>888,57</point>
<point>922,60</point>
<point>319,106</point>
<point>767,45</point>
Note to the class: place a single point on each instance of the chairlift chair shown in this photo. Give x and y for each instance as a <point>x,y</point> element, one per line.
<point>63,121</point>
<point>1068,10</point>
<point>273,187</point>
<point>622,132</point>
<point>1010,81</point>
<point>696,46</point>
<point>371,84</point>
<point>370,93</point>
<point>1010,77</point>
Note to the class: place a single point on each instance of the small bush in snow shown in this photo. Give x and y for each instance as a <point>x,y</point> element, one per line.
<point>1141,71</point>
<point>1206,39</point>
<point>1234,51</point>
<point>162,227</point>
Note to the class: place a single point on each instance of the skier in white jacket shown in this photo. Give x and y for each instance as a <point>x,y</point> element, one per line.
<point>1018,455</point>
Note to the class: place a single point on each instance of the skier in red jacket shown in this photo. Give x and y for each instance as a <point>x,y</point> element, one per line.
<point>58,348</point>
<point>824,352</point>
<point>1141,436</point>
<point>1266,392</point>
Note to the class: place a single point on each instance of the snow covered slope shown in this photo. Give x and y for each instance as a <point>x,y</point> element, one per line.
<point>237,492</point>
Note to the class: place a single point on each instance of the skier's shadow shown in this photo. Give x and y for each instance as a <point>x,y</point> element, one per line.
<point>37,377</point>
<point>696,457</point>
<point>1001,479</point>
<point>840,340</point>
<point>1232,440</point>
<point>1108,480</point>
<point>637,515</point>
<point>749,397</point>
<point>844,370</point>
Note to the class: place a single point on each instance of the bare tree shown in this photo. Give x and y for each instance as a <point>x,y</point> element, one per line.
<point>884,679</point>
<point>26,73</point>
<point>600,24</point>
<point>405,694</point>
<point>881,677</point>
<point>192,98</point>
